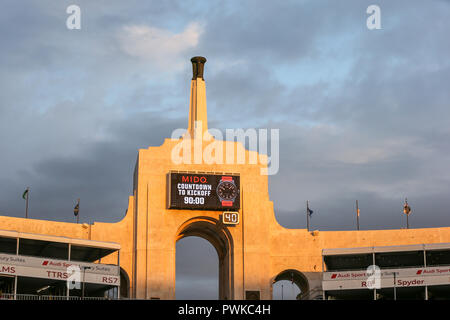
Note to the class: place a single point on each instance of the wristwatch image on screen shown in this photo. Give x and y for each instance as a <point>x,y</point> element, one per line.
<point>227,191</point>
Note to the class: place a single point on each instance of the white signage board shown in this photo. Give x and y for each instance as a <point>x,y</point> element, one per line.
<point>57,269</point>
<point>407,277</point>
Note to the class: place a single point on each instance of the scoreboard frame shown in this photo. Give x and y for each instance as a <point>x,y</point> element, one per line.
<point>211,191</point>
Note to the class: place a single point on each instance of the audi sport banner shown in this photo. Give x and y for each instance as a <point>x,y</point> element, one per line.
<point>407,277</point>
<point>216,192</point>
<point>57,269</point>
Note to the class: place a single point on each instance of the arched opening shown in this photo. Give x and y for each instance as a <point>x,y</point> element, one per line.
<point>220,238</point>
<point>196,270</point>
<point>124,284</point>
<point>290,284</point>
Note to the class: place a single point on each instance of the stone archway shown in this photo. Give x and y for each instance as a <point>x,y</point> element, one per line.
<point>296,277</point>
<point>219,236</point>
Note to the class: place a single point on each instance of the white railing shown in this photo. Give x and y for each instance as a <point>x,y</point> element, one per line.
<point>12,296</point>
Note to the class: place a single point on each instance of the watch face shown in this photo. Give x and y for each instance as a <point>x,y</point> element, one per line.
<point>227,190</point>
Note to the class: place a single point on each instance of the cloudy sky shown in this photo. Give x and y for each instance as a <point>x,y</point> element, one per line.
<point>363,114</point>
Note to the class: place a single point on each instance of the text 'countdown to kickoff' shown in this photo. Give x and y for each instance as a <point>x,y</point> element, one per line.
<point>203,191</point>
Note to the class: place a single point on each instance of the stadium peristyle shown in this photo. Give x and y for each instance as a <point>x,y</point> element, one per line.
<point>227,203</point>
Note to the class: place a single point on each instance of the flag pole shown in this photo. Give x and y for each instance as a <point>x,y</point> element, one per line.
<point>407,221</point>
<point>307,215</point>
<point>407,211</point>
<point>407,214</point>
<point>26,205</point>
<point>76,210</point>
<point>357,215</point>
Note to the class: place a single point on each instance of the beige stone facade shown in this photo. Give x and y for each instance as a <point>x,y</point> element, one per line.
<point>251,254</point>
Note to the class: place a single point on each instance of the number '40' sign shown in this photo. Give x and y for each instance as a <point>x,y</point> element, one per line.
<point>230,217</point>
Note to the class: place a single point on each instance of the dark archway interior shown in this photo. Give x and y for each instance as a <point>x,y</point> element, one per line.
<point>296,277</point>
<point>124,284</point>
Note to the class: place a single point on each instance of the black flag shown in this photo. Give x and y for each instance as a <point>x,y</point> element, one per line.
<point>310,212</point>
<point>77,208</point>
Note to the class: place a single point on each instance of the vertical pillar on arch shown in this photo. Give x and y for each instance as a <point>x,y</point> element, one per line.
<point>374,290</point>
<point>425,265</point>
<point>69,249</point>
<point>15,277</point>
<point>323,270</point>
<point>118,269</point>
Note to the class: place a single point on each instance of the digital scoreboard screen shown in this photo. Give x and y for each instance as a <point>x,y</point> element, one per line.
<point>203,191</point>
